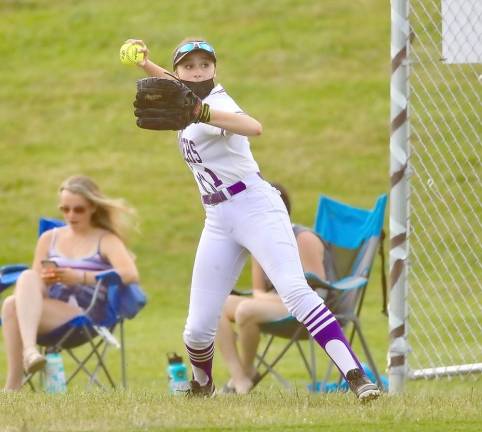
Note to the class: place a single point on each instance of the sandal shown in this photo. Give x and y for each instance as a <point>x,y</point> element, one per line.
<point>33,361</point>
<point>228,388</point>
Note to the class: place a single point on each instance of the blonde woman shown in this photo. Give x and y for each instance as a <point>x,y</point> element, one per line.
<point>62,279</point>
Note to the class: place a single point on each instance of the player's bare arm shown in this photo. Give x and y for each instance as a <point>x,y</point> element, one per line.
<point>154,70</point>
<point>149,67</point>
<point>240,124</point>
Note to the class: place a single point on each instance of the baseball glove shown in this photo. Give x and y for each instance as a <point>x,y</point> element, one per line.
<point>167,104</point>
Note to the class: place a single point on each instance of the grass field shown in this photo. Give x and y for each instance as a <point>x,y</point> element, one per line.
<point>267,410</point>
<point>315,73</point>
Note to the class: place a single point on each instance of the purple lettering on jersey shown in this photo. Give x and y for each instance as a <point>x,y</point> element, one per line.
<point>217,181</point>
<point>192,146</point>
<point>205,183</point>
<point>190,154</point>
<point>187,155</point>
<point>192,157</point>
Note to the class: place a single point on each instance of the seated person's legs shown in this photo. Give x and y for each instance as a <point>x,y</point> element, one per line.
<point>247,313</point>
<point>25,314</point>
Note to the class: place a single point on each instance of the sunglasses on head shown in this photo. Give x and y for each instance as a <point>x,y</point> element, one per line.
<point>75,209</point>
<point>190,46</point>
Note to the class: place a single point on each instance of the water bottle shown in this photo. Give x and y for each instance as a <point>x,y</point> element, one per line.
<point>54,379</point>
<point>177,374</point>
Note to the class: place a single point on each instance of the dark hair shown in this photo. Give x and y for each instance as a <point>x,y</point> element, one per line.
<point>284,195</point>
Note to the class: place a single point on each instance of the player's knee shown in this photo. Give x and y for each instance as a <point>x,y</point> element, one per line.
<point>198,338</point>
<point>9,310</point>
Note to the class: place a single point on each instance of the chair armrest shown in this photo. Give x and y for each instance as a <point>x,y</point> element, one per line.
<point>124,301</point>
<point>315,282</point>
<point>109,277</point>
<point>9,274</point>
<point>344,284</point>
<point>350,283</point>
<point>242,293</point>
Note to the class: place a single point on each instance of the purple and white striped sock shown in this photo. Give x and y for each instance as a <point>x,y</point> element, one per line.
<point>202,363</point>
<point>325,330</point>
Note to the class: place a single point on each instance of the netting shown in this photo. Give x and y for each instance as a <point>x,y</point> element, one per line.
<point>445,215</point>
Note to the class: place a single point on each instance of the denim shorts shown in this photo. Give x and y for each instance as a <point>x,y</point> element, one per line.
<point>83,296</point>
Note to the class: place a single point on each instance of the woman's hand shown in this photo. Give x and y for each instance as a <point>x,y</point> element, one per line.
<point>64,275</point>
<point>48,275</point>
<point>143,49</point>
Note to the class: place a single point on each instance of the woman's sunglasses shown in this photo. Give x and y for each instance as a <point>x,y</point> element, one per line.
<point>75,209</point>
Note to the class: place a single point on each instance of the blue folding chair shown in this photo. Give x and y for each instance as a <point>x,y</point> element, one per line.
<point>123,301</point>
<point>351,237</point>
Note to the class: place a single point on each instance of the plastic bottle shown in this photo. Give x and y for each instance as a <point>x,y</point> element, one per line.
<point>177,374</point>
<point>54,379</point>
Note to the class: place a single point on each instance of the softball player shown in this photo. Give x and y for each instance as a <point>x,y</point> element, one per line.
<point>243,213</point>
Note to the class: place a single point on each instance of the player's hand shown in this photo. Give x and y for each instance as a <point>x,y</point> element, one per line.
<point>143,49</point>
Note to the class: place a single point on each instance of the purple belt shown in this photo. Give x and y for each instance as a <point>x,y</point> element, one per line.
<point>220,196</point>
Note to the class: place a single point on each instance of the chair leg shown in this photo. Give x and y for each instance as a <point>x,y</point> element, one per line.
<point>368,355</point>
<point>276,374</point>
<point>328,373</point>
<point>93,375</point>
<point>262,356</point>
<point>100,360</point>
<point>270,366</point>
<point>262,362</point>
<point>308,365</point>
<point>81,366</point>
<point>123,355</point>
<point>27,379</point>
<point>95,348</point>
<point>313,363</point>
<point>81,363</point>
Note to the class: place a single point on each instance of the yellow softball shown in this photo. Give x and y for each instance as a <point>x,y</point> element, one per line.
<point>130,54</point>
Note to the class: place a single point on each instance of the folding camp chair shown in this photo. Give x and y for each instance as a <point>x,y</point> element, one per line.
<point>351,237</point>
<point>123,301</point>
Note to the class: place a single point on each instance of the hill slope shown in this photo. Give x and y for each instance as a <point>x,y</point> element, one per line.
<point>314,73</point>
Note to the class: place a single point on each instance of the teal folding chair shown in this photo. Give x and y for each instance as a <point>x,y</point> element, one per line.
<point>352,237</point>
<point>123,301</point>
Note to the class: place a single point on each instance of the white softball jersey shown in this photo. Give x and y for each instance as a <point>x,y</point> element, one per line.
<point>252,219</point>
<point>217,158</point>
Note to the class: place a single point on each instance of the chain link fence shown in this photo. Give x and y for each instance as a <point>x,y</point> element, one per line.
<point>442,316</point>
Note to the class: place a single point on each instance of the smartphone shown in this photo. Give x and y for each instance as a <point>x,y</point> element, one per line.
<point>49,263</point>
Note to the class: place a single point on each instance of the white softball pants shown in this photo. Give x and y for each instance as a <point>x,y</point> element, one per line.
<point>254,220</point>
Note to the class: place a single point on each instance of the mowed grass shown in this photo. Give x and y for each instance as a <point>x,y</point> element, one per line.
<point>269,410</point>
<point>315,73</point>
